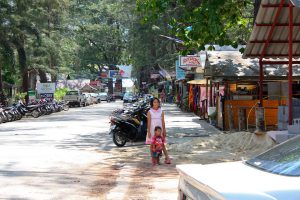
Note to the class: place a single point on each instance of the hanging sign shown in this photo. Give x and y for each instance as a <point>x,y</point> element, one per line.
<point>189,61</point>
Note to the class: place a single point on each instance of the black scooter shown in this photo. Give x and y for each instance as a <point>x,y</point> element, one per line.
<point>129,126</point>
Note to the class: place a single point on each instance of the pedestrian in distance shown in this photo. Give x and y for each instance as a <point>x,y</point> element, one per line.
<point>157,146</point>
<point>163,96</point>
<point>155,117</point>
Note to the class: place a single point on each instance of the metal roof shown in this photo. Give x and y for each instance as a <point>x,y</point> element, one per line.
<point>277,45</point>
<point>231,63</point>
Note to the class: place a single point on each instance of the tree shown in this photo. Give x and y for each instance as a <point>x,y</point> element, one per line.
<point>198,23</point>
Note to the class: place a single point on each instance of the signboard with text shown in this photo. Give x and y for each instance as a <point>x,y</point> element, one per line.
<point>45,88</point>
<point>189,61</point>
<point>113,73</point>
<point>47,96</point>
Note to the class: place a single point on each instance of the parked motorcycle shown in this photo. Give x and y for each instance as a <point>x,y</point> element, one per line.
<point>131,125</point>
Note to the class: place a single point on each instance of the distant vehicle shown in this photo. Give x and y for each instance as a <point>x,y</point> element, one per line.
<point>103,96</point>
<point>88,99</point>
<point>272,175</point>
<point>75,97</point>
<point>111,97</point>
<point>95,98</point>
<point>129,98</point>
<point>147,96</point>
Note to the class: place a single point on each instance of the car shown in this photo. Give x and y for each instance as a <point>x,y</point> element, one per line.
<point>95,98</point>
<point>75,97</point>
<point>129,98</point>
<point>88,99</point>
<point>272,175</point>
<point>103,96</point>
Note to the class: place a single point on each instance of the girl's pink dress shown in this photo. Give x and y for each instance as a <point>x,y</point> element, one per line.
<point>156,120</point>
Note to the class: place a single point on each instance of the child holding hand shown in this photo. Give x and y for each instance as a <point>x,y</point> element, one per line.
<point>157,145</point>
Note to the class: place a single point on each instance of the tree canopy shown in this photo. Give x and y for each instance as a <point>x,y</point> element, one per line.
<point>199,23</point>
<point>78,38</point>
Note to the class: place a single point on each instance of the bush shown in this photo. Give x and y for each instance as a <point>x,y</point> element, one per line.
<point>60,93</point>
<point>20,96</point>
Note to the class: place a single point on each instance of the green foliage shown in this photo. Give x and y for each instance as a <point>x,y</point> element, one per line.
<point>20,96</point>
<point>198,23</point>
<point>60,93</point>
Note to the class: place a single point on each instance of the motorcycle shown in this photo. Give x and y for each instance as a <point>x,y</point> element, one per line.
<point>130,126</point>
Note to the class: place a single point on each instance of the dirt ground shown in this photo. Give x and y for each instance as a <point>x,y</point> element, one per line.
<point>160,182</point>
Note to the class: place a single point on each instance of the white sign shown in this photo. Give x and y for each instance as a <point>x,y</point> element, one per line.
<point>190,61</point>
<point>45,87</point>
<point>125,70</point>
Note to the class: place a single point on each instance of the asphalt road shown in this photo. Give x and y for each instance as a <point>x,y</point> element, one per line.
<point>59,156</point>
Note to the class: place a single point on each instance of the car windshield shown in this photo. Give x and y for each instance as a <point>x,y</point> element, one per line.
<point>283,159</point>
<point>72,93</point>
<point>103,93</point>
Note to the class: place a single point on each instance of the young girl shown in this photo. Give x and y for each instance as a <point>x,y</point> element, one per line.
<point>156,118</point>
<point>157,145</point>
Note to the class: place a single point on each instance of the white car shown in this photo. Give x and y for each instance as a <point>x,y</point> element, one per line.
<point>273,175</point>
<point>103,96</point>
<point>88,99</point>
<point>96,98</point>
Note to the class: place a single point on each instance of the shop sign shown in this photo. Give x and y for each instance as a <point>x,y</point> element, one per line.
<point>180,73</point>
<point>45,88</point>
<point>47,96</point>
<point>95,83</point>
<point>113,73</point>
<point>125,70</point>
<point>103,75</point>
<point>189,61</point>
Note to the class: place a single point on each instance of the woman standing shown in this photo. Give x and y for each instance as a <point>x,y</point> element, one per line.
<point>155,118</point>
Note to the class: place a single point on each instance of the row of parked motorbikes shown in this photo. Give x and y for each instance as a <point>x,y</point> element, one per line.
<point>35,109</point>
<point>130,123</point>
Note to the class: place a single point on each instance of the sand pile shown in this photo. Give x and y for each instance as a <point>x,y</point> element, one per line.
<point>238,142</point>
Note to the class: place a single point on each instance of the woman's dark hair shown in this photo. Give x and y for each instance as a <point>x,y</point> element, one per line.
<point>157,128</point>
<point>152,100</point>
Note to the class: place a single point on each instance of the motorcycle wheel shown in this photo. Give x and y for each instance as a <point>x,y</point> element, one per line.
<point>119,140</point>
<point>19,116</point>
<point>65,107</point>
<point>35,114</point>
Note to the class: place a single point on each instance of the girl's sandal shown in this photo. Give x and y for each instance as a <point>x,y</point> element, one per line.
<point>167,161</point>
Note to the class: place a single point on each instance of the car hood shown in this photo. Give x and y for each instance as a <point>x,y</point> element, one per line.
<point>238,181</point>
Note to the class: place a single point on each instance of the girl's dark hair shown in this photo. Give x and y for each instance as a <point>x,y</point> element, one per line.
<point>157,128</point>
<point>152,100</point>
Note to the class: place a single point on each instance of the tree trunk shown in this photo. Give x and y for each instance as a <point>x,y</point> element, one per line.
<point>1,84</point>
<point>24,69</point>
<point>43,76</point>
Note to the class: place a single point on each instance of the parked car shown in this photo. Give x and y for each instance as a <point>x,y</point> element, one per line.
<point>95,98</point>
<point>103,96</point>
<point>88,99</point>
<point>75,97</point>
<point>272,175</point>
<point>129,98</point>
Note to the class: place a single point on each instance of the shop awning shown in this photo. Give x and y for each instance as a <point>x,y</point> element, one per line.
<point>197,82</point>
<point>275,35</point>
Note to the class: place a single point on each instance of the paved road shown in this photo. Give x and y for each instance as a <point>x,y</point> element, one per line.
<point>58,156</point>
<point>69,155</point>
